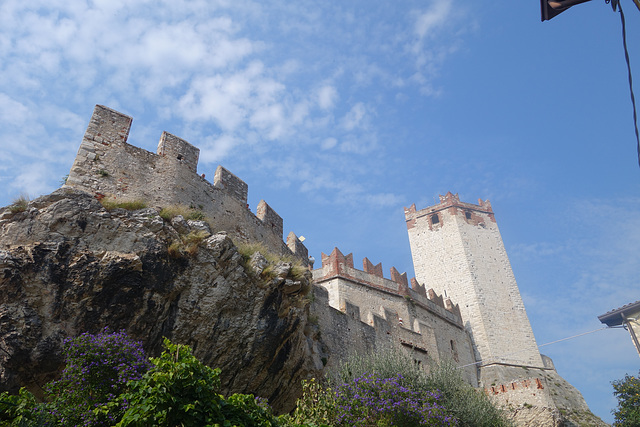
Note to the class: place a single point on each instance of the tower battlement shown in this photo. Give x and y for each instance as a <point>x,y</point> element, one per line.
<point>108,166</point>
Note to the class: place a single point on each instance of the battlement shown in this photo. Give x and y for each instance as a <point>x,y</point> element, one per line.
<point>338,265</point>
<point>107,166</point>
<point>178,149</point>
<point>451,205</point>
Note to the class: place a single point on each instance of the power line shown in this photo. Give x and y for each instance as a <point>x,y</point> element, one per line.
<point>541,345</point>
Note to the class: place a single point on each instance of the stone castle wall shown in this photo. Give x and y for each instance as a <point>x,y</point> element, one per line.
<point>389,313</point>
<point>107,166</point>
<point>458,251</point>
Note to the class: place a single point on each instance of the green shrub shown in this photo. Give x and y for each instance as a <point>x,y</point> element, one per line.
<point>180,391</point>
<point>316,407</point>
<point>98,368</point>
<point>469,406</point>
<point>627,391</point>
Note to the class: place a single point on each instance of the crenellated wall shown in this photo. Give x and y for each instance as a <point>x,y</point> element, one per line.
<point>416,320</point>
<point>107,166</point>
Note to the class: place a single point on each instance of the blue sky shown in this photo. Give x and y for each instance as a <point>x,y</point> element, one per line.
<point>339,114</point>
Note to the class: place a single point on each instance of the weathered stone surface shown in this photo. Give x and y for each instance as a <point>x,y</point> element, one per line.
<point>68,266</point>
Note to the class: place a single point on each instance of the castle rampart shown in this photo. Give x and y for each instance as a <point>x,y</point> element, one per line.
<point>107,166</point>
<point>427,326</point>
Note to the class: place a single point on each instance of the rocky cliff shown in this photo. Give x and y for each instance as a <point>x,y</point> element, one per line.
<point>68,265</point>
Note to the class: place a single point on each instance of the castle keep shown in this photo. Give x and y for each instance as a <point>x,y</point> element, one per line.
<point>464,304</point>
<point>457,250</point>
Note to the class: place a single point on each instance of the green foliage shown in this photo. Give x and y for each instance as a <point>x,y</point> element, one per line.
<point>627,391</point>
<point>316,407</point>
<point>103,173</point>
<point>23,410</point>
<point>469,406</point>
<point>180,391</point>
<point>130,205</point>
<point>98,368</point>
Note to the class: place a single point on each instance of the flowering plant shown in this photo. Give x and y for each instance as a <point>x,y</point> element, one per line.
<point>370,400</point>
<point>97,371</point>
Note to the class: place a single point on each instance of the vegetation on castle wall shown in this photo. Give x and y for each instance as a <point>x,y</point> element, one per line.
<point>627,391</point>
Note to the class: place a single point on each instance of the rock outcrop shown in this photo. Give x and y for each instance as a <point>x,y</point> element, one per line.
<point>68,265</point>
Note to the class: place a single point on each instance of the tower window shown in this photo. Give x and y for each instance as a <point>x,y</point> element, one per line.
<point>467,215</point>
<point>435,219</point>
<point>180,157</point>
<point>454,351</point>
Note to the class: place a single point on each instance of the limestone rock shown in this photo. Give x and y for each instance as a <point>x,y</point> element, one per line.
<point>68,266</point>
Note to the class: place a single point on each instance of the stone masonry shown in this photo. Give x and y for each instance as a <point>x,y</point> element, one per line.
<point>419,321</point>
<point>464,304</point>
<point>108,167</point>
<point>458,251</point>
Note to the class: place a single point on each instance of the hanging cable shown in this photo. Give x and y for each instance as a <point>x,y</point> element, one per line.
<point>575,336</point>
<point>541,345</point>
<point>626,57</point>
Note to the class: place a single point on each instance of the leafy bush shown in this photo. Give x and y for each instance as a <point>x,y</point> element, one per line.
<point>23,410</point>
<point>373,400</point>
<point>627,391</point>
<point>469,406</point>
<point>316,407</point>
<point>98,368</point>
<point>180,390</point>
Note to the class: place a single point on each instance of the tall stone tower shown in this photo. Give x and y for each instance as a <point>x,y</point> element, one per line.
<point>457,250</point>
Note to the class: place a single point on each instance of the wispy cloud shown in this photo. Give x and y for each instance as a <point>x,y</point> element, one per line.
<point>233,74</point>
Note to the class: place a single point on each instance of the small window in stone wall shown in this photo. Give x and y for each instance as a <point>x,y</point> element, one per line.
<point>454,351</point>
<point>467,215</point>
<point>180,157</point>
<point>435,219</point>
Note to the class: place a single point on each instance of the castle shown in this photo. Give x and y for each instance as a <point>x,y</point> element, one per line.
<point>464,304</point>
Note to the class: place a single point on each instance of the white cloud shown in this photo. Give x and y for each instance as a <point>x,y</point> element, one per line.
<point>327,96</point>
<point>355,117</point>
<point>329,143</point>
<point>429,20</point>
